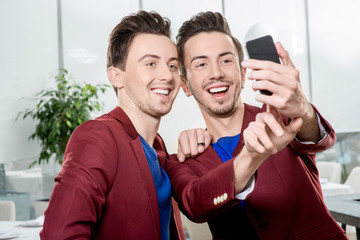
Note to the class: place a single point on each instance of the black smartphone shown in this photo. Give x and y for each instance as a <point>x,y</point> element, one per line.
<point>263,48</point>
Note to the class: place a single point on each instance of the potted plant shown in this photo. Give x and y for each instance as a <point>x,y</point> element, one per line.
<point>58,112</point>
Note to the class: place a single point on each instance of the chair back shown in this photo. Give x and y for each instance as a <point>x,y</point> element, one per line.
<point>196,231</point>
<point>7,211</point>
<point>329,170</point>
<point>353,180</point>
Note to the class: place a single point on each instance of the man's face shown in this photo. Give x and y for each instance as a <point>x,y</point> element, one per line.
<point>213,72</point>
<point>151,80</point>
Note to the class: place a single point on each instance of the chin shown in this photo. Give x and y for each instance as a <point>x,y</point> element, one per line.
<point>158,113</point>
<point>223,111</point>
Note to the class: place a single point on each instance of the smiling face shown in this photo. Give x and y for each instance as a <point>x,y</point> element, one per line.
<point>214,76</point>
<point>150,81</point>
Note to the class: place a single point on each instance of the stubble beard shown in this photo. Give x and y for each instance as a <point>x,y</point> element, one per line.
<point>218,110</point>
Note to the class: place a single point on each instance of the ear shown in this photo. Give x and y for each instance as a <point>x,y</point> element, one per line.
<point>116,77</point>
<point>243,75</point>
<point>185,86</point>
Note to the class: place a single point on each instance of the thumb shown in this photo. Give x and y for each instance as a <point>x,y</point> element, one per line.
<point>295,125</point>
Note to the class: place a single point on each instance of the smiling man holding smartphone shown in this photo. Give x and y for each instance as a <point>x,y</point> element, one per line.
<point>258,179</point>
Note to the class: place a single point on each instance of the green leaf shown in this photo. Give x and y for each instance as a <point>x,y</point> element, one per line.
<point>68,123</point>
<point>59,111</point>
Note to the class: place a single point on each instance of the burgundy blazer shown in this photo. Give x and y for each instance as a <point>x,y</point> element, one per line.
<point>286,203</point>
<point>105,189</point>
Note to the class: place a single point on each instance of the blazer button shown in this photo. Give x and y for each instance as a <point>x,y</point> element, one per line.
<point>225,196</point>
<point>215,201</point>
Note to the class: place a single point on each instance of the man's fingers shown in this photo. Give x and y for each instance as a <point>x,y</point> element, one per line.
<point>193,141</point>
<point>283,54</point>
<point>184,149</point>
<point>272,121</point>
<point>295,125</point>
<point>208,138</point>
<point>181,157</point>
<point>200,140</point>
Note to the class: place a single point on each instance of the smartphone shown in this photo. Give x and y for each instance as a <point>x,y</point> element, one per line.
<point>263,48</point>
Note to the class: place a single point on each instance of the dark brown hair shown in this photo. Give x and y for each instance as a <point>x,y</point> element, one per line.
<point>203,22</point>
<point>123,34</point>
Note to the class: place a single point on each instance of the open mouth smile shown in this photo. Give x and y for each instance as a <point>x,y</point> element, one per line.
<point>163,92</point>
<point>218,90</point>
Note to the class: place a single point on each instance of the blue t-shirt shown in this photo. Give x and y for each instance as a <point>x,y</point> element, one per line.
<point>225,147</point>
<point>163,188</point>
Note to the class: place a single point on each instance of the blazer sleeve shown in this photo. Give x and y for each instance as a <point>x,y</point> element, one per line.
<point>81,187</point>
<point>323,145</point>
<point>201,197</point>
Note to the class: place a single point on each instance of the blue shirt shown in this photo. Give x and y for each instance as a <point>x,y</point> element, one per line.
<point>163,188</point>
<point>225,147</point>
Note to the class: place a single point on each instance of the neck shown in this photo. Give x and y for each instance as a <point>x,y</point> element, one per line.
<point>219,126</point>
<point>146,125</point>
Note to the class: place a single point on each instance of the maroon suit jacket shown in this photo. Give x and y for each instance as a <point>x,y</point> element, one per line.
<point>286,203</point>
<point>105,189</point>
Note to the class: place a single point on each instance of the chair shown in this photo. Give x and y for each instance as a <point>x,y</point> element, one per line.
<point>329,170</point>
<point>7,211</point>
<point>197,231</point>
<point>353,180</point>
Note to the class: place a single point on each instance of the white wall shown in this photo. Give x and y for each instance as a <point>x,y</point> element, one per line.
<point>29,54</point>
<point>335,61</point>
<point>28,57</point>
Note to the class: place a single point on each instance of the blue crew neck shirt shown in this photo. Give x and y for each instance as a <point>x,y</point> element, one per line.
<point>163,188</point>
<point>225,147</point>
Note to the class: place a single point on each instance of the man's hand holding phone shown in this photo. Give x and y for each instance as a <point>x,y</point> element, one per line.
<point>282,80</point>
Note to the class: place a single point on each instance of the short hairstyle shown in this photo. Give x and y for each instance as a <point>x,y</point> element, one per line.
<point>203,22</point>
<point>130,26</point>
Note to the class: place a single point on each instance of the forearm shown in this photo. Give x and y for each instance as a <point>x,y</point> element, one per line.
<point>202,196</point>
<point>245,166</point>
<point>309,131</point>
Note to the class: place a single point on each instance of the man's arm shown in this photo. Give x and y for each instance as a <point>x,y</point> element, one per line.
<point>80,190</point>
<point>202,196</point>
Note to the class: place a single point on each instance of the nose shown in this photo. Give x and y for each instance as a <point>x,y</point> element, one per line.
<point>165,72</point>
<point>216,72</point>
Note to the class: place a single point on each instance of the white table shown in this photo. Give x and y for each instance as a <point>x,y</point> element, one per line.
<point>332,189</point>
<point>26,233</point>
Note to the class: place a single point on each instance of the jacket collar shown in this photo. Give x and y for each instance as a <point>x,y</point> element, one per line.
<point>119,114</point>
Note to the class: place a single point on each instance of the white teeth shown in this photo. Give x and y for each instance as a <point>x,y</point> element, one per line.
<point>220,89</point>
<point>161,91</point>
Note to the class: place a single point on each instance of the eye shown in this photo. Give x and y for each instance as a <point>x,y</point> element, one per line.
<point>226,61</point>
<point>200,65</point>
<point>173,67</point>
<point>151,64</point>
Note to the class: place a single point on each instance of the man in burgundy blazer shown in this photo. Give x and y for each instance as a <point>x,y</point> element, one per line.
<point>108,186</point>
<point>256,181</point>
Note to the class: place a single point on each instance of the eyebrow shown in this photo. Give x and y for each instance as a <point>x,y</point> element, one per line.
<point>204,56</point>
<point>150,56</point>
<point>155,56</point>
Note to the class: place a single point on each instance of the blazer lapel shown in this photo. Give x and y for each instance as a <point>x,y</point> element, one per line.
<point>249,116</point>
<point>149,181</point>
<point>139,154</point>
